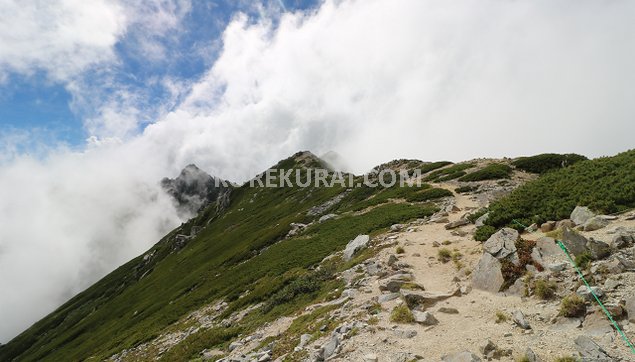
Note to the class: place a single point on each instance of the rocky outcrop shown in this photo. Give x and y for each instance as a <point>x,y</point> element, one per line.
<point>356,245</point>
<point>502,243</point>
<point>487,275</point>
<point>193,189</point>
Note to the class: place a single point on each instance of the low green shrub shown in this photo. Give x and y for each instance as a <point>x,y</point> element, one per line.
<point>484,232</point>
<point>547,162</point>
<point>493,171</point>
<point>401,314</point>
<point>465,189</point>
<point>544,289</point>
<point>573,306</point>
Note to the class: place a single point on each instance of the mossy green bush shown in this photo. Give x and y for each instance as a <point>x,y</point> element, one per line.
<point>449,173</point>
<point>402,314</point>
<point>484,232</point>
<point>606,185</point>
<point>493,171</point>
<point>466,189</point>
<point>573,306</point>
<point>544,289</point>
<point>547,161</point>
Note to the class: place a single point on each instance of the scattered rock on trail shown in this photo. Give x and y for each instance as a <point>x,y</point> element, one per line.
<point>424,318</point>
<point>502,243</point>
<point>465,356</point>
<point>456,224</point>
<point>622,240</point>
<point>519,319</point>
<point>356,245</point>
<point>589,349</point>
<point>595,223</point>
<point>487,275</point>
<point>581,214</point>
<point>448,310</point>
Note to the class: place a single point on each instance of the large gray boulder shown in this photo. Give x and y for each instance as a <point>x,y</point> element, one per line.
<point>575,242</point>
<point>581,214</point>
<point>330,347</point>
<point>502,243</point>
<point>465,356</point>
<point>356,245</point>
<point>588,349</point>
<point>487,275</point>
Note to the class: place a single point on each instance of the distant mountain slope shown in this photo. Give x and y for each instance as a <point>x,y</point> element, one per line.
<point>241,254</point>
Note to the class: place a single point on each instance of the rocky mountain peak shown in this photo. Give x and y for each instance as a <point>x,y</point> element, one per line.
<point>194,189</point>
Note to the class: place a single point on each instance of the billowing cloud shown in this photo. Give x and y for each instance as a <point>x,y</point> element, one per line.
<point>62,38</point>
<point>373,80</point>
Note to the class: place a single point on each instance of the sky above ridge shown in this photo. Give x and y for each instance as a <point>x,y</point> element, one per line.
<point>99,100</point>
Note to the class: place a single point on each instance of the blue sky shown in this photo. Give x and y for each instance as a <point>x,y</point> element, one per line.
<point>35,102</point>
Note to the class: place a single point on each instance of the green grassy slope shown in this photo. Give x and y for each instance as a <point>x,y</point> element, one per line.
<point>606,185</point>
<point>241,249</point>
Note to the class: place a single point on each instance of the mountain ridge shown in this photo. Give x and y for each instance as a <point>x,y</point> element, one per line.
<point>244,257</point>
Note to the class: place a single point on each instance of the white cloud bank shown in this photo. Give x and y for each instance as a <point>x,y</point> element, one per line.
<point>373,80</point>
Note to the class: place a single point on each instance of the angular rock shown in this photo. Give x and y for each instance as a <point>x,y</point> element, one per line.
<point>519,319</point>
<point>598,249</point>
<point>488,348</point>
<point>456,224</point>
<point>531,356</point>
<point>384,298</point>
<point>502,243</point>
<point>630,308</point>
<point>327,217</point>
<point>394,283</point>
<point>396,227</point>
<point>329,348</point>
<point>584,292</point>
<point>424,318</point>
<point>426,299</point>
<point>392,259</point>
<point>487,275</point>
<point>622,240</point>
<point>235,345</point>
<point>481,220</point>
<point>581,214</point>
<point>575,242</point>
<point>589,349</point>
<point>356,245</point>
<point>465,356</point>
<point>566,324</point>
<point>405,333</point>
<point>595,223</point>
<point>371,357</point>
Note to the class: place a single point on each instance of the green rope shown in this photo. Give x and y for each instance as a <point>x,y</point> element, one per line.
<point>597,299</point>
